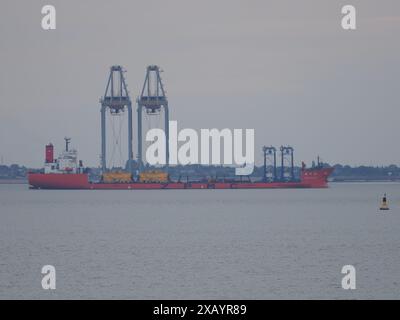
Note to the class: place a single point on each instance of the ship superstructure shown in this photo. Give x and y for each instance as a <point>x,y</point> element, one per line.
<point>67,162</point>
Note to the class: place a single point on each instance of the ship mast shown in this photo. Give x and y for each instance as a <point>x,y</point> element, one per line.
<point>67,142</point>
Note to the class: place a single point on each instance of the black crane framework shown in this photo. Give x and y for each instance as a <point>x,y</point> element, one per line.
<point>152,100</point>
<point>287,164</point>
<point>269,164</point>
<point>116,100</point>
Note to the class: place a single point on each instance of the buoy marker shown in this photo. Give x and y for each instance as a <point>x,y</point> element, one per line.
<point>384,204</point>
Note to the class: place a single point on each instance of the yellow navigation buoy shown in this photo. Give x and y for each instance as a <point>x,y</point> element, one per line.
<point>384,205</point>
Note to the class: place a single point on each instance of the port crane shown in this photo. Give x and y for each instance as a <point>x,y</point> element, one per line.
<point>269,157</point>
<point>287,157</point>
<point>116,100</point>
<point>152,100</point>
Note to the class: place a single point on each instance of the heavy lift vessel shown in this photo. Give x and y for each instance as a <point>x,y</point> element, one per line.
<point>66,172</point>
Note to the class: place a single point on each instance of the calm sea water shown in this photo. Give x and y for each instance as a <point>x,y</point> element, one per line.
<point>200,244</point>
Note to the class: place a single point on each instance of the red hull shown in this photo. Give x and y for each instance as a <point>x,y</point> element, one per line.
<point>310,178</point>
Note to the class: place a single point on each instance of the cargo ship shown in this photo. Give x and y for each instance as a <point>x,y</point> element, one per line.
<point>66,172</point>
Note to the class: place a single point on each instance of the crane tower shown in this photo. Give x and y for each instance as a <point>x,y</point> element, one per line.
<point>115,100</point>
<point>152,100</point>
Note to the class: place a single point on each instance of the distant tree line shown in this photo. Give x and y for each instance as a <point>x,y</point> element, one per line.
<point>12,172</point>
<point>369,173</point>
<point>341,172</point>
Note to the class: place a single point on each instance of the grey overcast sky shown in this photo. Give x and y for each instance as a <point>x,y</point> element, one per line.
<point>285,68</point>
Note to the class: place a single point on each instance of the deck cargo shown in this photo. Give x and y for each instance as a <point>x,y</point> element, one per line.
<point>116,177</point>
<point>153,176</point>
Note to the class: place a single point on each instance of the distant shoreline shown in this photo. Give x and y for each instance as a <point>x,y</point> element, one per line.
<point>363,180</point>
<point>13,181</point>
<point>25,181</point>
